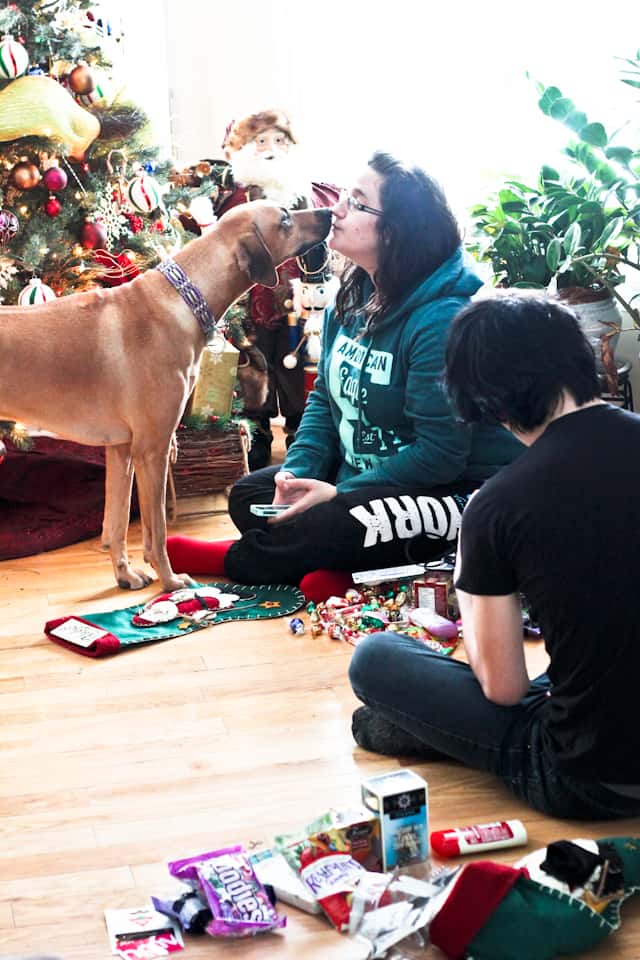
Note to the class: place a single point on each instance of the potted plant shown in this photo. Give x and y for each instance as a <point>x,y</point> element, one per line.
<point>573,233</point>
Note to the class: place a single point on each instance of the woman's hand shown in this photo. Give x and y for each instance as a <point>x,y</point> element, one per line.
<point>301,493</point>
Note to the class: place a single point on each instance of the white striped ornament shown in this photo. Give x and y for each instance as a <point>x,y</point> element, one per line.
<point>14,58</point>
<point>143,193</point>
<point>35,292</point>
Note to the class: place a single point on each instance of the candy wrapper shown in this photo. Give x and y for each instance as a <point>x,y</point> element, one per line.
<point>189,909</point>
<point>332,878</point>
<point>238,902</point>
<point>387,909</point>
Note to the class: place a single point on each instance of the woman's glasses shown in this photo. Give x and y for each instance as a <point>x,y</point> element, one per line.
<point>354,204</point>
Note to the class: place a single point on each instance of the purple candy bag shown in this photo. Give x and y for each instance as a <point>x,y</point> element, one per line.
<point>238,901</point>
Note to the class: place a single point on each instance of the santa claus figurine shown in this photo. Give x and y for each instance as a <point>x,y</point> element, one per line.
<point>265,162</point>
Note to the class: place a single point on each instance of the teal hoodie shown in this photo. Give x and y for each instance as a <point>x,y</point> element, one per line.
<point>379,416</point>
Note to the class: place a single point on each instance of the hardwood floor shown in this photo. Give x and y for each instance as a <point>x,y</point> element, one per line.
<point>232,734</point>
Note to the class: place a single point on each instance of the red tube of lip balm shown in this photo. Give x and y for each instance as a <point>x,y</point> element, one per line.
<point>478,838</point>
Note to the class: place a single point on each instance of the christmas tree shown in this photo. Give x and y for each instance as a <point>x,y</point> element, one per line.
<point>80,181</point>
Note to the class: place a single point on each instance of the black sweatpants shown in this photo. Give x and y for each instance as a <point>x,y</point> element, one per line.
<point>360,530</point>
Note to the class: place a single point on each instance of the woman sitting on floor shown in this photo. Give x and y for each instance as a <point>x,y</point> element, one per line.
<point>380,470</point>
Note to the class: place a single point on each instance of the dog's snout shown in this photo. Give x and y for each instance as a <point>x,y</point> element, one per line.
<point>327,216</point>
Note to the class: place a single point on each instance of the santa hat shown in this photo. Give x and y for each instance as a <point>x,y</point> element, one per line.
<point>241,132</point>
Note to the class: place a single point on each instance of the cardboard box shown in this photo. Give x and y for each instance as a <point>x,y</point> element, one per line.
<point>432,594</point>
<point>400,801</point>
<point>213,392</point>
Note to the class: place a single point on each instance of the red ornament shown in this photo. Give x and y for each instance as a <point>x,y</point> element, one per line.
<point>52,207</point>
<point>54,179</point>
<point>119,269</point>
<point>92,235</point>
<point>3,452</point>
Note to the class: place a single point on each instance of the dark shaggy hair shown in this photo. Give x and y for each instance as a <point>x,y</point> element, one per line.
<point>509,358</point>
<point>417,232</point>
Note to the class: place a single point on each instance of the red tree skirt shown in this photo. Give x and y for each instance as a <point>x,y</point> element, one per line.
<point>47,503</point>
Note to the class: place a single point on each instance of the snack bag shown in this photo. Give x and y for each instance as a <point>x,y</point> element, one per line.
<point>331,878</point>
<point>239,903</point>
<point>291,845</point>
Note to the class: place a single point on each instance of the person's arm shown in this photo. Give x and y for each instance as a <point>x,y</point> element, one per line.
<point>440,449</point>
<point>492,630</point>
<point>493,636</point>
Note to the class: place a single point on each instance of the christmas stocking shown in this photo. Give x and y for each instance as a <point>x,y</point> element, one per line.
<point>172,615</point>
<point>563,899</point>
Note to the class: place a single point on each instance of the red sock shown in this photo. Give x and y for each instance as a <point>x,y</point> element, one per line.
<point>187,555</point>
<point>320,584</point>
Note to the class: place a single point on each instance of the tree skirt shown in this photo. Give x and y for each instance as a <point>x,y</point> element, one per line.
<point>104,634</point>
<point>47,502</point>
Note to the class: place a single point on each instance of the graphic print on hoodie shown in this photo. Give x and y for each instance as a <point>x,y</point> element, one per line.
<point>353,367</point>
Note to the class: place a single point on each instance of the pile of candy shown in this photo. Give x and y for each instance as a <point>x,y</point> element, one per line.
<point>365,611</point>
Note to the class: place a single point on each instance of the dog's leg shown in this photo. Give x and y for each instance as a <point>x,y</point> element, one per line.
<point>151,477</point>
<point>117,505</point>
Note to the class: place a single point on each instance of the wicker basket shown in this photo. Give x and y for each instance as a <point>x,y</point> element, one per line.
<point>208,461</point>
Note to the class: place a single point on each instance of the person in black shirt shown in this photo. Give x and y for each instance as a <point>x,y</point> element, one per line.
<point>559,525</point>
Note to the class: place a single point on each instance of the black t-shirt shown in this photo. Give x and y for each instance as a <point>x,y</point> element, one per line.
<point>561,524</point>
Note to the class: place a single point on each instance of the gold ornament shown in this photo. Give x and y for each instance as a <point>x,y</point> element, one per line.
<point>41,107</point>
<point>25,176</point>
<point>81,79</point>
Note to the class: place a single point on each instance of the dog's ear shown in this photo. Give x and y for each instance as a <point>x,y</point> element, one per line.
<point>253,258</point>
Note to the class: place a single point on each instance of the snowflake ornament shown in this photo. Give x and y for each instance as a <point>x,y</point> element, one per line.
<point>111,216</point>
<point>7,270</point>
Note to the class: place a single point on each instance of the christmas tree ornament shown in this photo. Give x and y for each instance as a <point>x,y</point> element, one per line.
<point>102,93</point>
<point>54,179</point>
<point>9,226</point>
<point>143,192</point>
<point>14,58</point>
<point>117,270</point>
<point>41,107</point>
<point>8,270</point>
<point>35,292</point>
<point>92,235</point>
<point>81,79</point>
<point>52,207</point>
<point>3,452</point>
<point>25,175</point>
<point>112,217</point>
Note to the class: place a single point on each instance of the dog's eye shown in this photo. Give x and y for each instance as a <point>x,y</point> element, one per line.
<point>286,221</point>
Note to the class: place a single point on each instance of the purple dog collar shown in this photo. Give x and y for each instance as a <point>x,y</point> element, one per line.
<point>190,294</point>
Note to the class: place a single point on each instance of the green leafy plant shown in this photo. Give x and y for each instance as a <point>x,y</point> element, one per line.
<point>578,230</point>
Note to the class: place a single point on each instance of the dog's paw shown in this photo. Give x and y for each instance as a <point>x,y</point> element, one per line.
<point>134,580</point>
<point>179,580</point>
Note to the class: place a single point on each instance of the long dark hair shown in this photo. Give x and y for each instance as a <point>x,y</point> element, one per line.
<point>416,234</point>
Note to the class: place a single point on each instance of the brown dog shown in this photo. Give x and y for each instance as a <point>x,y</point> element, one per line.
<point>116,367</point>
